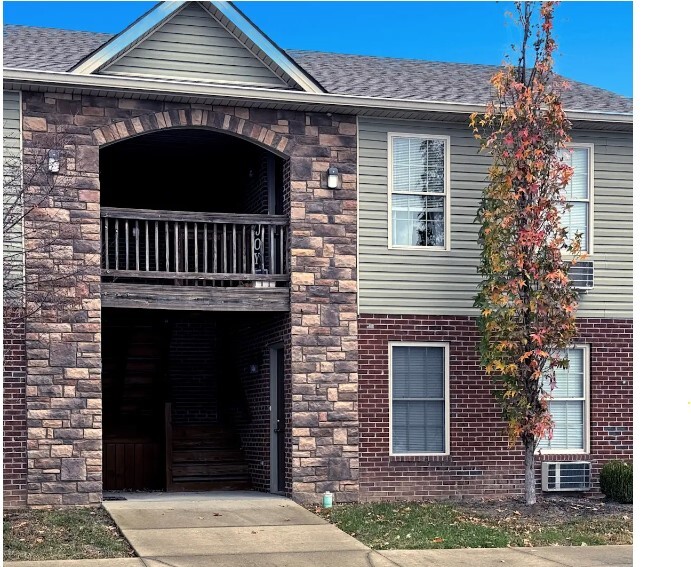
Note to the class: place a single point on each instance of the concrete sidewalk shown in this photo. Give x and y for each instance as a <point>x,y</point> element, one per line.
<point>251,529</point>
<point>231,528</point>
<point>595,556</point>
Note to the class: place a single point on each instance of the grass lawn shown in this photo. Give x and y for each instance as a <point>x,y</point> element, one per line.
<point>78,533</point>
<point>416,525</point>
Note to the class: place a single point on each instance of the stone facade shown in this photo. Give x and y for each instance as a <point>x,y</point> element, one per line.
<point>481,463</point>
<point>63,393</point>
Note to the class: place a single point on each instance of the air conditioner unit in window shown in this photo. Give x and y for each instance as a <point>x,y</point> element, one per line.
<point>570,475</point>
<point>581,275</point>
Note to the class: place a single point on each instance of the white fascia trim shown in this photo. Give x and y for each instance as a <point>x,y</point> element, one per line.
<point>128,37</point>
<point>261,41</point>
<point>206,90</point>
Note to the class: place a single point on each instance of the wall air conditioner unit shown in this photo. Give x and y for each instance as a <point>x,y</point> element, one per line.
<point>581,275</point>
<point>569,475</point>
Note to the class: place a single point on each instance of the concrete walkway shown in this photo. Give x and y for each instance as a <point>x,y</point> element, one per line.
<point>231,528</point>
<point>595,556</point>
<point>251,529</point>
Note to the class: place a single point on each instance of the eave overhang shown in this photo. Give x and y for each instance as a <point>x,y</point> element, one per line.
<point>205,93</point>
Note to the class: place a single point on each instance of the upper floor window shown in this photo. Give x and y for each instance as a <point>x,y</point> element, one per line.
<point>419,191</point>
<point>578,218</point>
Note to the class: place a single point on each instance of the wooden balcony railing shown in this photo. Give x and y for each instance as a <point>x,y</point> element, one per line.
<point>192,248</point>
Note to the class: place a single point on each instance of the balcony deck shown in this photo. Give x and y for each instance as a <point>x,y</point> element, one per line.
<point>186,260</point>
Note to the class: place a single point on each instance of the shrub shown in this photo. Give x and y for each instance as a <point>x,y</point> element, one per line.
<point>616,481</point>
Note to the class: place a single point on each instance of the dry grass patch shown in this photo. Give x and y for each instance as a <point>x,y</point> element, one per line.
<point>76,533</point>
<point>436,525</point>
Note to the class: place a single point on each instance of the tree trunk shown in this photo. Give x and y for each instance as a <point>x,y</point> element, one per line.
<point>530,472</point>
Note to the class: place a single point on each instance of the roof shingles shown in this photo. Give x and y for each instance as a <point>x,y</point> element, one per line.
<point>49,49</point>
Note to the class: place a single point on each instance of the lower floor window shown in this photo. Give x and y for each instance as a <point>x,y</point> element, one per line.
<point>419,412</point>
<point>569,405</point>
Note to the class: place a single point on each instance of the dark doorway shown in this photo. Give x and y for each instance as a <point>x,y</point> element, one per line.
<point>186,398</point>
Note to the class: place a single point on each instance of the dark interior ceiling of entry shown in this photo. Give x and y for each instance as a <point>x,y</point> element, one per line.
<point>180,169</point>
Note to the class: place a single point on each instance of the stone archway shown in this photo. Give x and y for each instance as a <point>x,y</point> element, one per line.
<point>236,124</point>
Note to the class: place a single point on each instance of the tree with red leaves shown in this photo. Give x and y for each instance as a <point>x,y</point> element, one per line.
<point>527,303</point>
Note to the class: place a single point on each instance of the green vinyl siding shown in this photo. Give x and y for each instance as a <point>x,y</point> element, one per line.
<point>192,45</point>
<point>12,226</point>
<point>439,282</point>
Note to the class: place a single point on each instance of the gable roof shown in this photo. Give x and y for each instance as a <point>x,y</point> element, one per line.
<point>198,21</point>
<point>356,75</point>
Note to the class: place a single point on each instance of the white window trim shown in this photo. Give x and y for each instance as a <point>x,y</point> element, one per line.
<point>446,195</point>
<point>591,195</point>
<point>586,409</point>
<point>447,421</point>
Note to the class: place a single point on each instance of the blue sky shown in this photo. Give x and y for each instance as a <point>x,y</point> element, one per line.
<point>595,38</point>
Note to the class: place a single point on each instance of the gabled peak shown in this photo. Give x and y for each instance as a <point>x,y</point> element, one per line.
<point>201,42</point>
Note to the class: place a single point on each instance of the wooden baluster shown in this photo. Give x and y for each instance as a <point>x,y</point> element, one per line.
<point>235,249</point>
<point>244,249</point>
<point>146,242</point>
<point>177,247</point>
<point>196,250</point>
<point>106,253</point>
<point>167,234</point>
<point>117,244</point>
<point>156,242</point>
<point>206,249</point>
<point>215,259</point>
<point>282,268</point>
<point>127,244</point>
<point>187,252</point>
<point>225,250</point>
<point>272,249</point>
<point>136,245</point>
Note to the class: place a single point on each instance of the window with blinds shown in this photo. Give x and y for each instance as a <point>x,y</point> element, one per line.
<point>569,405</point>
<point>419,190</point>
<point>576,218</point>
<point>418,399</point>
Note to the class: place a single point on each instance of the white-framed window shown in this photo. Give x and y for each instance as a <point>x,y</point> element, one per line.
<point>579,194</point>
<point>570,405</point>
<point>419,398</point>
<point>418,191</point>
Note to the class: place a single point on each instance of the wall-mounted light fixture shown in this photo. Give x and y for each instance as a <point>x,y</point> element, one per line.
<point>332,178</point>
<point>53,161</point>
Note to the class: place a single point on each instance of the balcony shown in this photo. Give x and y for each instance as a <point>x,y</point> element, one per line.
<point>186,260</point>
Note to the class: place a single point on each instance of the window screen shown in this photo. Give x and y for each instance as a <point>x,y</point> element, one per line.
<point>418,403</point>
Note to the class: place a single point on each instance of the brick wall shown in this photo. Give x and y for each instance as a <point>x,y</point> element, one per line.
<point>14,409</point>
<point>255,196</point>
<point>192,369</point>
<point>480,461</point>
<point>253,348</point>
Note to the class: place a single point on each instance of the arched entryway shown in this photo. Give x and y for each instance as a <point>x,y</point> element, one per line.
<point>194,287</point>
